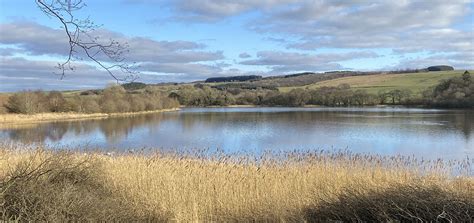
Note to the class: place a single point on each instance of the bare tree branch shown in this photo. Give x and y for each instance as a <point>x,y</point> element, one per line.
<point>82,42</point>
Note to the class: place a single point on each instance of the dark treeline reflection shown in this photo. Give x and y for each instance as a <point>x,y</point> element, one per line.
<point>267,128</point>
<point>113,129</point>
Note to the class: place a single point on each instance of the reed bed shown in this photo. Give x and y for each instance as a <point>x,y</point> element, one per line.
<point>9,120</point>
<point>39,184</point>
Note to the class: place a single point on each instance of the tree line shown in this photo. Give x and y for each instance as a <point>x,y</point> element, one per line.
<point>342,95</point>
<point>457,92</point>
<point>113,99</point>
<point>454,92</point>
<point>233,78</point>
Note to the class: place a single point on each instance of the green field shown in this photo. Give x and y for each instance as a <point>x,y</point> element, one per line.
<point>416,82</point>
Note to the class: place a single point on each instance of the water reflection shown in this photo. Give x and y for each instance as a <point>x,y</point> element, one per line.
<point>113,129</point>
<point>386,131</point>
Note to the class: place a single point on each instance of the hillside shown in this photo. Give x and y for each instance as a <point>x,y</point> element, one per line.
<point>291,80</point>
<point>416,82</point>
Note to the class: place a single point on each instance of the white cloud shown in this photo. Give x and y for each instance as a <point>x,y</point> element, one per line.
<point>458,60</point>
<point>42,40</point>
<point>279,61</point>
<point>404,26</point>
<point>216,10</point>
<point>32,39</point>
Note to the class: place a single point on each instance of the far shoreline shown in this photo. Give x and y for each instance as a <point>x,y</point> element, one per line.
<point>17,120</point>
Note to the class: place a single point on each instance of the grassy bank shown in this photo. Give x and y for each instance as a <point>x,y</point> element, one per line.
<point>37,184</point>
<point>20,119</point>
<point>416,82</point>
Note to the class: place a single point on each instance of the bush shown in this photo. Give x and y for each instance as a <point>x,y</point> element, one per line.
<point>83,104</point>
<point>27,102</point>
<point>57,103</point>
<point>108,107</point>
<point>90,106</point>
<point>137,103</point>
<point>114,99</point>
<point>122,106</point>
<point>61,188</point>
<point>3,103</point>
<point>454,92</point>
<point>111,99</point>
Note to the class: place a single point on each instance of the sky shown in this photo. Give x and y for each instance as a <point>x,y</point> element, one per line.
<point>188,40</point>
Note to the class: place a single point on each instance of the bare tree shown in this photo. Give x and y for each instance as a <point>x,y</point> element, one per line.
<point>108,54</point>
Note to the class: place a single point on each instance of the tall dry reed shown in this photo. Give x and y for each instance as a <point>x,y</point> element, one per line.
<point>311,187</point>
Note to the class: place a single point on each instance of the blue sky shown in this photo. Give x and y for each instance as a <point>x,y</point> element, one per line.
<point>180,41</point>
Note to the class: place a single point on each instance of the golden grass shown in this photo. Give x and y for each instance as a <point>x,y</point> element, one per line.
<point>194,188</point>
<point>11,120</point>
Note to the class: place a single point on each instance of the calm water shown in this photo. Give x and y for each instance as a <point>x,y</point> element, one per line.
<point>419,132</point>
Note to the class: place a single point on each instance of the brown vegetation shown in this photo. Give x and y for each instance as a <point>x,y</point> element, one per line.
<point>60,188</point>
<point>114,99</point>
<point>41,185</point>
<point>3,102</point>
<point>11,120</point>
<point>428,202</point>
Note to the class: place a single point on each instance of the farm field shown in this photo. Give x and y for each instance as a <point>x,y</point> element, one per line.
<point>416,82</point>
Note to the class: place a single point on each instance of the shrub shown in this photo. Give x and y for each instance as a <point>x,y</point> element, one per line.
<point>61,188</point>
<point>137,103</point>
<point>122,106</point>
<point>27,102</point>
<point>108,106</point>
<point>57,103</point>
<point>84,104</point>
<point>114,99</point>
<point>111,99</point>
<point>3,103</point>
<point>454,92</point>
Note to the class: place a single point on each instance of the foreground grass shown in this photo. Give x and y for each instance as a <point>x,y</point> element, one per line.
<point>416,82</point>
<point>40,185</point>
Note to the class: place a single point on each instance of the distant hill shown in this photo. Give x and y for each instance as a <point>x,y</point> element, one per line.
<point>301,79</point>
<point>416,80</point>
